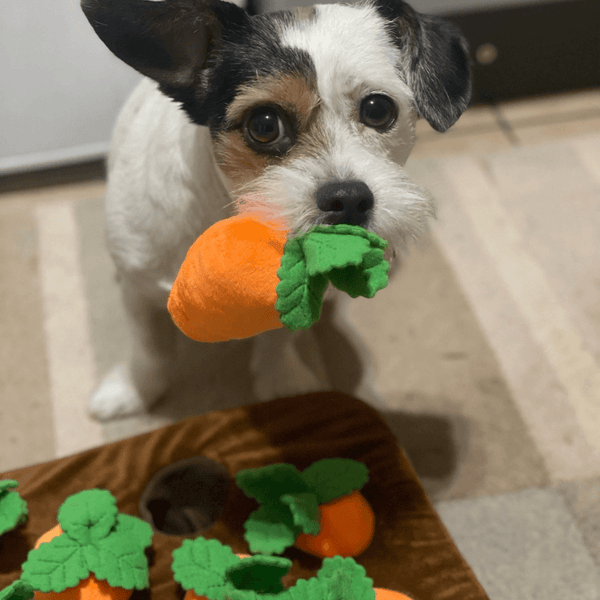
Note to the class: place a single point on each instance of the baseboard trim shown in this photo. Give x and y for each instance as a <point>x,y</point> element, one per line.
<point>59,175</point>
<point>50,159</point>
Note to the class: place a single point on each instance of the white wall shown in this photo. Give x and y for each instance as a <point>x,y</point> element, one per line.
<point>60,87</point>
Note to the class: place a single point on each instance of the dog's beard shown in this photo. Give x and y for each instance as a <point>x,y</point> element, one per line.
<point>402,209</point>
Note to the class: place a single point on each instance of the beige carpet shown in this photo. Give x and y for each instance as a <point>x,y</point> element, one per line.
<point>484,355</point>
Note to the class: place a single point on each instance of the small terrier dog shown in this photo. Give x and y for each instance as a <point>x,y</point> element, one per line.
<point>312,109</point>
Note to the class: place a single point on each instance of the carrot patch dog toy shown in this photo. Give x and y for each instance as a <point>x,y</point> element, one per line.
<point>319,510</point>
<point>94,553</point>
<point>243,276</point>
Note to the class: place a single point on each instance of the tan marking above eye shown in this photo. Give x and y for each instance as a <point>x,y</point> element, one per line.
<point>293,94</point>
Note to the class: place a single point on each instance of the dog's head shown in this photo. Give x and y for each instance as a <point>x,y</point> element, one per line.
<point>311,109</point>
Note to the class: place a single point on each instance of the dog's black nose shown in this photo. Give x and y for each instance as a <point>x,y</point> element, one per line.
<point>345,202</point>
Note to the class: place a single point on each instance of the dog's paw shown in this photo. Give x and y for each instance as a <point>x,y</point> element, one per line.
<point>116,396</point>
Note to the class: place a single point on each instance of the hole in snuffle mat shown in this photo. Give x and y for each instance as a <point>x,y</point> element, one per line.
<point>185,497</point>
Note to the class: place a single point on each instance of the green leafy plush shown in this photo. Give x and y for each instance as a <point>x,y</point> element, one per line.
<point>271,529</point>
<point>56,565</point>
<point>13,509</point>
<point>88,516</point>
<point>290,499</point>
<point>308,589</point>
<point>120,560</point>
<point>354,578</point>
<point>211,569</point>
<point>135,528</point>
<point>348,256</point>
<point>267,484</point>
<point>305,511</point>
<point>261,574</point>
<point>17,590</point>
<point>201,565</point>
<point>95,539</point>
<point>331,478</point>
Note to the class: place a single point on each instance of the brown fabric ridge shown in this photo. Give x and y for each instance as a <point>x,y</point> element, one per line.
<point>411,551</point>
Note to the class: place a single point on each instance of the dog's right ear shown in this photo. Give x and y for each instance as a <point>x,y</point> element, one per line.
<point>170,41</point>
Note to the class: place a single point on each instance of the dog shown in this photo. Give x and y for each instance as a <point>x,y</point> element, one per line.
<point>312,109</point>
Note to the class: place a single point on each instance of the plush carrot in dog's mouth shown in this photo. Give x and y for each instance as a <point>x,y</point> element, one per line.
<point>243,275</point>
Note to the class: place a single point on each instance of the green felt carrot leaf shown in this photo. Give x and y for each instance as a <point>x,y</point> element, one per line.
<point>120,560</point>
<point>201,565</point>
<point>135,528</point>
<point>88,516</point>
<point>354,578</point>
<point>8,484</point>
<point>331,478</point>
<point>308,589</point>
<point>348,256</point>
<point>17,590</point>
<point>13,509</point>
<point>305,511</point>
<point>271,529</point>
<point>267,484</point>
<point>339,587</point>
<point>338,579</point>
<point>299,296</point>
<point>211,569</point>
<point>260,574</point>
<point>95,540</point>
<point>56,565</point>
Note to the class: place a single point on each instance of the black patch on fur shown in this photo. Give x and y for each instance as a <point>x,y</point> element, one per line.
<point>439,65</point>
<point>245,53</point>
<point>199,51</point>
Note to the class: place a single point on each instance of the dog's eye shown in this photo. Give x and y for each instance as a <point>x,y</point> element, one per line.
<point>264,125</point>
<point>378,112</point>
<point>268,130</point>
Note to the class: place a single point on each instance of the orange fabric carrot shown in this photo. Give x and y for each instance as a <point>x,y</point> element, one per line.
<point>226,285</point>
<point>94,553</point>
<point>383,594</point>
<point>347,526</point>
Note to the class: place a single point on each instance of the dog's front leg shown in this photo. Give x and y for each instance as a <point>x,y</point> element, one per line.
<point>134,387</point>
<point>279,369</point>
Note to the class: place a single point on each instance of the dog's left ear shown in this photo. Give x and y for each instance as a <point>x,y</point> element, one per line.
<point>436,62</point>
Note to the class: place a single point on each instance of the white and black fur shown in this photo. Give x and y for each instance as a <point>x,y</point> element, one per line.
<point>311,110</point>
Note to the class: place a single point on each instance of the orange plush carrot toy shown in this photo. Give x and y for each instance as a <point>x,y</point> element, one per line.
<point>226,285</point>
<point>243,275</point>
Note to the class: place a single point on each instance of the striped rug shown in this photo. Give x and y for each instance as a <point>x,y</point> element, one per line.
<point>483,355</point>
